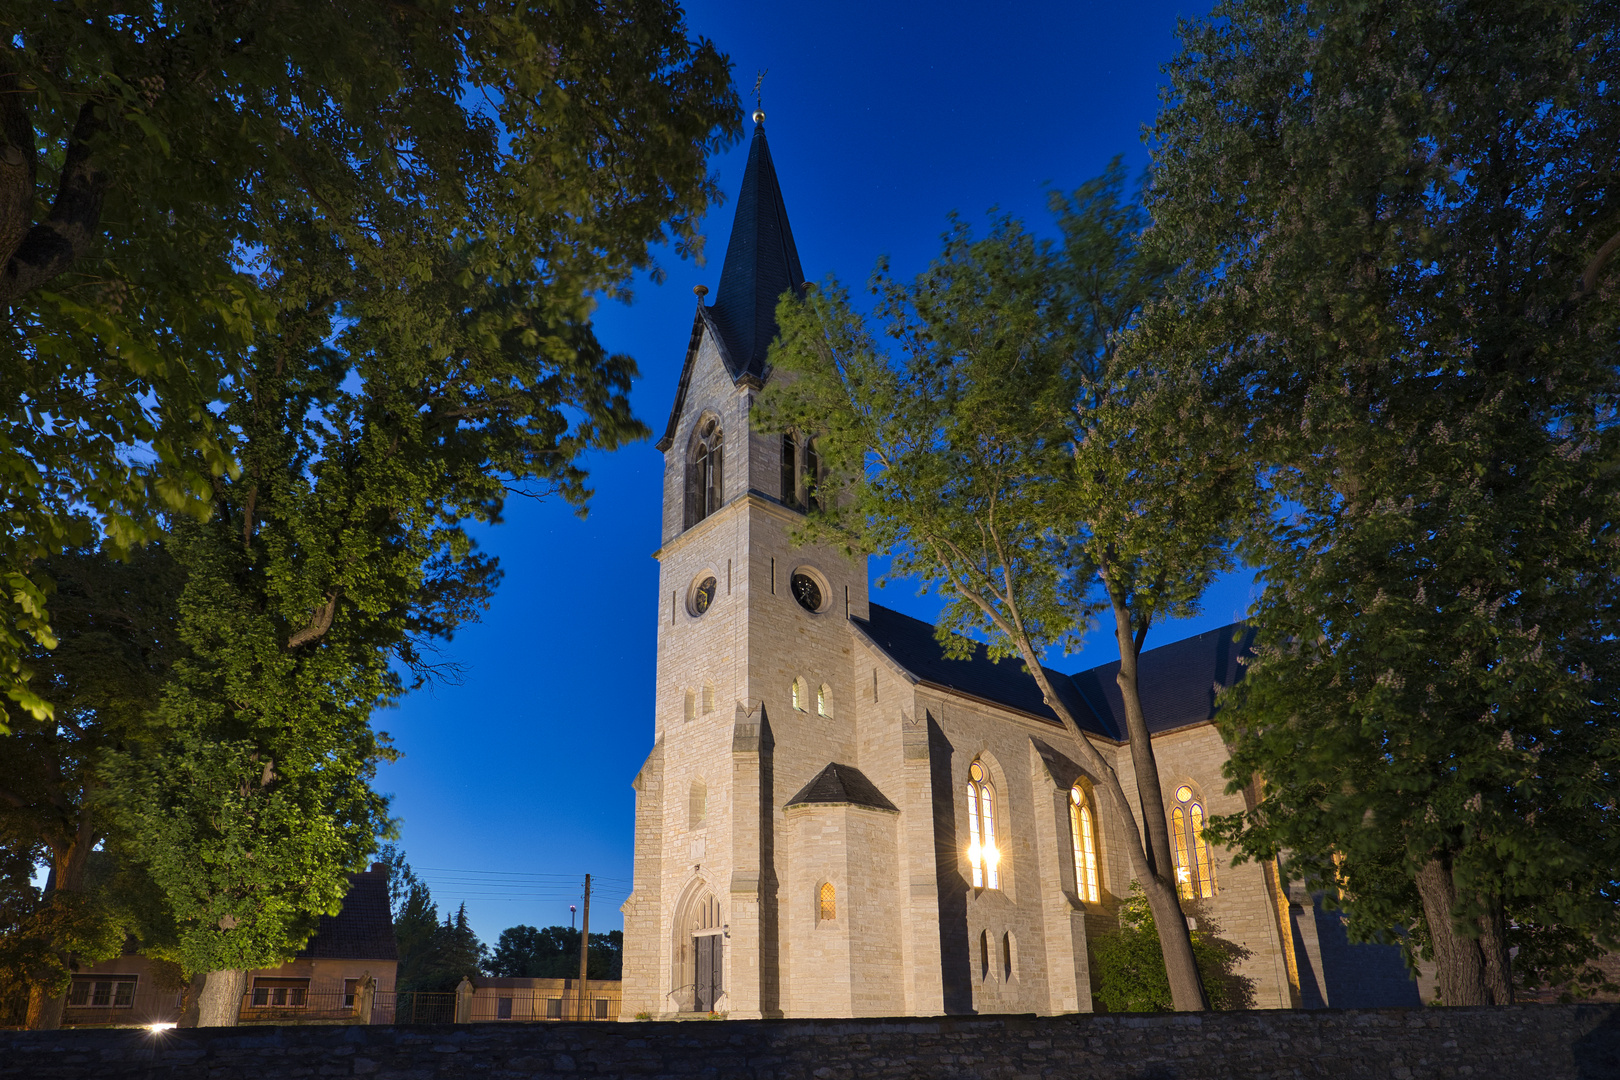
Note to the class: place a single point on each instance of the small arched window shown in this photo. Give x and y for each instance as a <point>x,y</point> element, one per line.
<point>983,854</point>
<point>697,805</point>
<point>799,694</point>
<point>1081,828</point>
<point>790,470</point>
<point>829,902</point>
<point>704,472</point>
<point>1195,876</point>
<point>812,474</point>
<point>824,701</point>
<point>691,705</point>
<point>708,697</point>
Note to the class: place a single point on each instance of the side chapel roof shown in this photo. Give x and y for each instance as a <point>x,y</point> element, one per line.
<point>842,784</point>
<point>761,264</point>
<point>363,929</point>
<point>1177,681</point>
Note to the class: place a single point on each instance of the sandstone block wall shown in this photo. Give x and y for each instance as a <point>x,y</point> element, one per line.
<point>1548,1042</point>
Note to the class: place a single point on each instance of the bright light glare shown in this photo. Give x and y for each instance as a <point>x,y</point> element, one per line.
<point>155,1028</point>
<point>973,853</point>
<point>991,855</point>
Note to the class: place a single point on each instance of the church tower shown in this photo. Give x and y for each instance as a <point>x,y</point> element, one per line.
<point>753,650</point>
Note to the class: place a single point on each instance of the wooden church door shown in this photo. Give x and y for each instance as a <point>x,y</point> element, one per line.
<point>708,972</point>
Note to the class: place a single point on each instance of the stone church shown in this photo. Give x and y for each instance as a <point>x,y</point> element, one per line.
<point>837,820</point>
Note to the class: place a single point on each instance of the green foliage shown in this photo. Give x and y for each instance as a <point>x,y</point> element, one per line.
<point>118,640</point>
<point>553,953</point>
<point>435,956</point>
<point>492,165</point>
<point>1395,220</point>
<point>1128,965</point>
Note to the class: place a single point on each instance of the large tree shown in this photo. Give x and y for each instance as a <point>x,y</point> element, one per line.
<point>159,160</point>
<point>1020,456</point>
<point>1397,222</point>
<point>424,230</point>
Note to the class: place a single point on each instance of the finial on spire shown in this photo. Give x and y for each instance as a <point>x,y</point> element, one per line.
<point>759,105</point>
<point>700,291</point>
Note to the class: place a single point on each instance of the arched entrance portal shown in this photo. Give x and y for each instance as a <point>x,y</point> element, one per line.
<point>701,955</point>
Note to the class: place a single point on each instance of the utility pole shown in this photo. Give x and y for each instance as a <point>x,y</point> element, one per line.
<point>584,947</point>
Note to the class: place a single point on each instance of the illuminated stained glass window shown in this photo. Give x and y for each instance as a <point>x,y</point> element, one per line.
<point>1085,846</point>
<point>829,901</point>
<point>1195,875</point>
<point>798,694</point>
<point>983,854</point>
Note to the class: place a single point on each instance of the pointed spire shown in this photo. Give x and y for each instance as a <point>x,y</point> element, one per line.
<point>761,264</point>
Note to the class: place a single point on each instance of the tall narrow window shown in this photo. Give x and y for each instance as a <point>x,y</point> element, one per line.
<point>790,470</point>
<point>1009,956</point>
<point>1195,875</point>
<point>704,472</point>
<point>982,851</point>
<point>812,474</point>
<point>824,700</point>
<point>1085,845</point>
<point>708,697</point>
<point>799,694</point>
<point>829,902</point>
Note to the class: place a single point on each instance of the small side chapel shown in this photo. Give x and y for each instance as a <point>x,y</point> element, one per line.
<point>834,819</point>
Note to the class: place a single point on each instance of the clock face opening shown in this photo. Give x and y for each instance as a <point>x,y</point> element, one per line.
<point>704,596</point>
<point>806,591</point>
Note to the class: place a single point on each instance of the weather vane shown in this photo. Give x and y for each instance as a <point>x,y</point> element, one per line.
<point>759,107</point>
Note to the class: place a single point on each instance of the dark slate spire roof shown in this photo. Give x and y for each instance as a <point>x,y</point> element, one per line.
<point>1177,681</point>
<point>842,784</point>
<point>761,264</point>
<point>363,929</point>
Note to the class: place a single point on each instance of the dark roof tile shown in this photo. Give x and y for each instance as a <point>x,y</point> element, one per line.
<point>842,784</point>
<point>363,930</point>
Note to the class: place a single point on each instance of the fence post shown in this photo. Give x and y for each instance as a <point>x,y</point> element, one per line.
<point>464,1000</point>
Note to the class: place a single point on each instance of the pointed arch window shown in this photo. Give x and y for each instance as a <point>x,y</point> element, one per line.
<point>1195,876</point>
<point>799,694</point>
<point>790,470</point>
<point>1083,829</point>
<point>704,469</point>
<point>824,701</point>
<point>983,854</point>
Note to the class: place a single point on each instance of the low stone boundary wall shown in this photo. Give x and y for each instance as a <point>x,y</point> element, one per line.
<point>1544,1042</point>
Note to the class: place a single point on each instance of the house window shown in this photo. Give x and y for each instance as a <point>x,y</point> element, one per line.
<point>503,1009</point>
<point>982,851</point>
<point>351,989</point>
<point>1194,874</point>
<point>704,472</point>
<point>824,701</point>
<point>102,992</point>
<point>554,1008</point>
<point>283,993</point>
<point>790,471</point>
<point>829,902</point>
<point>601,1008</point>
<point>1085,845</point>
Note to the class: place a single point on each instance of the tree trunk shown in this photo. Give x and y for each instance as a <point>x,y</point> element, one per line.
<point>1175,940</point>
<point>45,1012</point>
<point>1468,971</point>
<point>214,999</point>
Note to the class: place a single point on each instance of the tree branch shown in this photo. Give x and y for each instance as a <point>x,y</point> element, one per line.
<point>320,621</point>
<point>1593,268</point>
<point>52,246</point>
<point>19,165</point>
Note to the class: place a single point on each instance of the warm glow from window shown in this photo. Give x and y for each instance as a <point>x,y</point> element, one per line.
<point>983,855</point>
<point>829,902</point>
<point>798,694</point>
<point>1195,877</point>
<point>1085,846</point>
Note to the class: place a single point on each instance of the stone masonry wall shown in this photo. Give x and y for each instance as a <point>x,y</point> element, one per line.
<point>1548,1042</point>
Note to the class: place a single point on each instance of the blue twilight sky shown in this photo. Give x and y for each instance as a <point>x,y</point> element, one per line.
<point>883,118</point>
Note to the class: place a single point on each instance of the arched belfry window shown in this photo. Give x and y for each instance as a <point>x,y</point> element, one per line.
<point>1083,828</point>
<point>1194,869</point>
<point>704,472</point>
<point>829,902</point>
<point>983,854</point>
<point>790,470</point>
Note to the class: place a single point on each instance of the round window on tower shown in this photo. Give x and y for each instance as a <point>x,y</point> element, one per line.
<point>703,594</point>
<point>808,590</point>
